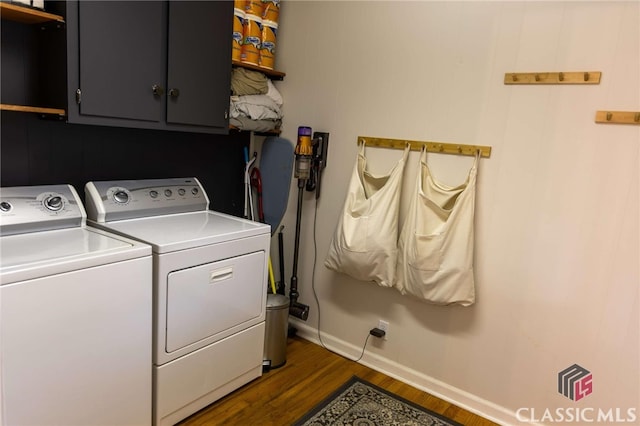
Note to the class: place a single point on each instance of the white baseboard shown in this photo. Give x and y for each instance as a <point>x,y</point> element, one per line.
<point>435,387</point>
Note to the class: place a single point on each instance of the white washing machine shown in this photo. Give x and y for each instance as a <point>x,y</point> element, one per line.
<point>75,315</point>
<point>210,285</point>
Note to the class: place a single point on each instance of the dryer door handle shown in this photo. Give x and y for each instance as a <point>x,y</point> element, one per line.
<point>220,275</point>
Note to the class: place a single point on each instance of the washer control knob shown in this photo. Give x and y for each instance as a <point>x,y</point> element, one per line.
<point>5,206</point>
<point>168,193</point>
<point>54,203</point>
<point>194,191</point>
<point>181,191</point>
<point>153,193</point>
<point>121,197</point>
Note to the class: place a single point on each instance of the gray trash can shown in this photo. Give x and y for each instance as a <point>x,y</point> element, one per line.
<point>276,330</point>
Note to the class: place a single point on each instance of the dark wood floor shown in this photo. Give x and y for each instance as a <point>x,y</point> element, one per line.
<point>283,395</point>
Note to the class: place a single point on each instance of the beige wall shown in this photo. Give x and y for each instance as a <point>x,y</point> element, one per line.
<point>557,236</point>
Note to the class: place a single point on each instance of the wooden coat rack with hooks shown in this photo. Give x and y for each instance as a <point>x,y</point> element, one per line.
<point>441,147</point>
<point>618,117</point>
<point>578,77</point>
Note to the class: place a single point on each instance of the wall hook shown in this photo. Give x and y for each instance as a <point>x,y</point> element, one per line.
<point>514,77</point>
<point>586,76</point>
<point>636,118</point>
<point>609,116</point>
<point>561,76</point>
<point>537,77</point>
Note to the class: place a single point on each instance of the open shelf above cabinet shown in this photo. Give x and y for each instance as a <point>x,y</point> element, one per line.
<point>26,15</point>
<point>38,110</point>
<point>275,75</point>
<point>274,132</point>
<point>29,16</point>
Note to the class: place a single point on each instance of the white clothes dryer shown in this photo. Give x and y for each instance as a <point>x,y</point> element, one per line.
<point>210,286</point>
<point>75,315</point>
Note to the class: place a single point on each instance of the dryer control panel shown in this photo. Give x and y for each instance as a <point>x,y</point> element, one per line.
<point>107,201</point>
<point>25,209</point>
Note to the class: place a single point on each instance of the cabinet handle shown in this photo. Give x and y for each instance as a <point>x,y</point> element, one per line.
<point>157,90</point>
<point>174,93</point>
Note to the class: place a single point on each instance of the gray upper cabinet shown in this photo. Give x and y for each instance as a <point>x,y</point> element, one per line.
<point>150,64</point>
<point>199,58</point>
<point>121,57</point>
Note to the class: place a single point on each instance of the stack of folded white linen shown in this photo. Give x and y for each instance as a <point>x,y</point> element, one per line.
<point>256,104</point>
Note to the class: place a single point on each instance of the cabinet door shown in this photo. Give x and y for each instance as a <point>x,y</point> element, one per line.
<point>199,62</point>
<point>121,58</point>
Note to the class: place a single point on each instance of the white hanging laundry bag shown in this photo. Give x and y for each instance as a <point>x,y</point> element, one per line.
<point>435,249</point>
<point>365,242</point>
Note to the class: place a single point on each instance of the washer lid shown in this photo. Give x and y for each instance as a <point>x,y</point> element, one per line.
<point>169,233</point>
<point>39,254</point>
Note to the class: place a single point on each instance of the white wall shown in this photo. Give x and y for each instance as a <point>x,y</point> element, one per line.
<point>557,235</point>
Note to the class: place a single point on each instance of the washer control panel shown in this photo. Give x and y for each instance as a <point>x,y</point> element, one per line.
<point>25,209</point>
<point>128,199</point>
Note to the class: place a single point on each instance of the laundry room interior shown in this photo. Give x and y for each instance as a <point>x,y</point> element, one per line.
<point>539,101</point>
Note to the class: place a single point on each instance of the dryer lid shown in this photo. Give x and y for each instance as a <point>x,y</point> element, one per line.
<point>168,233</point>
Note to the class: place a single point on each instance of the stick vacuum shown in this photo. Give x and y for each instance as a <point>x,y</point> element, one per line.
<point>311,157</point>
<point>296,308</point>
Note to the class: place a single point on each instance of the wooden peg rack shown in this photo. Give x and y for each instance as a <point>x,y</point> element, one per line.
<point>445,148</point>
<point>618,117</point>
<point>578,77</point>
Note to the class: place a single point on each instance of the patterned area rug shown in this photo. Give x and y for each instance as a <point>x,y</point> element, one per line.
<point>360,403</point>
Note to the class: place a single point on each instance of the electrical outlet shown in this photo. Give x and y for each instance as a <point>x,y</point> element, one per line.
<point>384,326</point>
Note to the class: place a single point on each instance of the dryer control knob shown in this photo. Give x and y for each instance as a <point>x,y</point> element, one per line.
<point>121,197</point>
<point>54,203</point>
<point>153,193</point>
<point>5,206</point>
